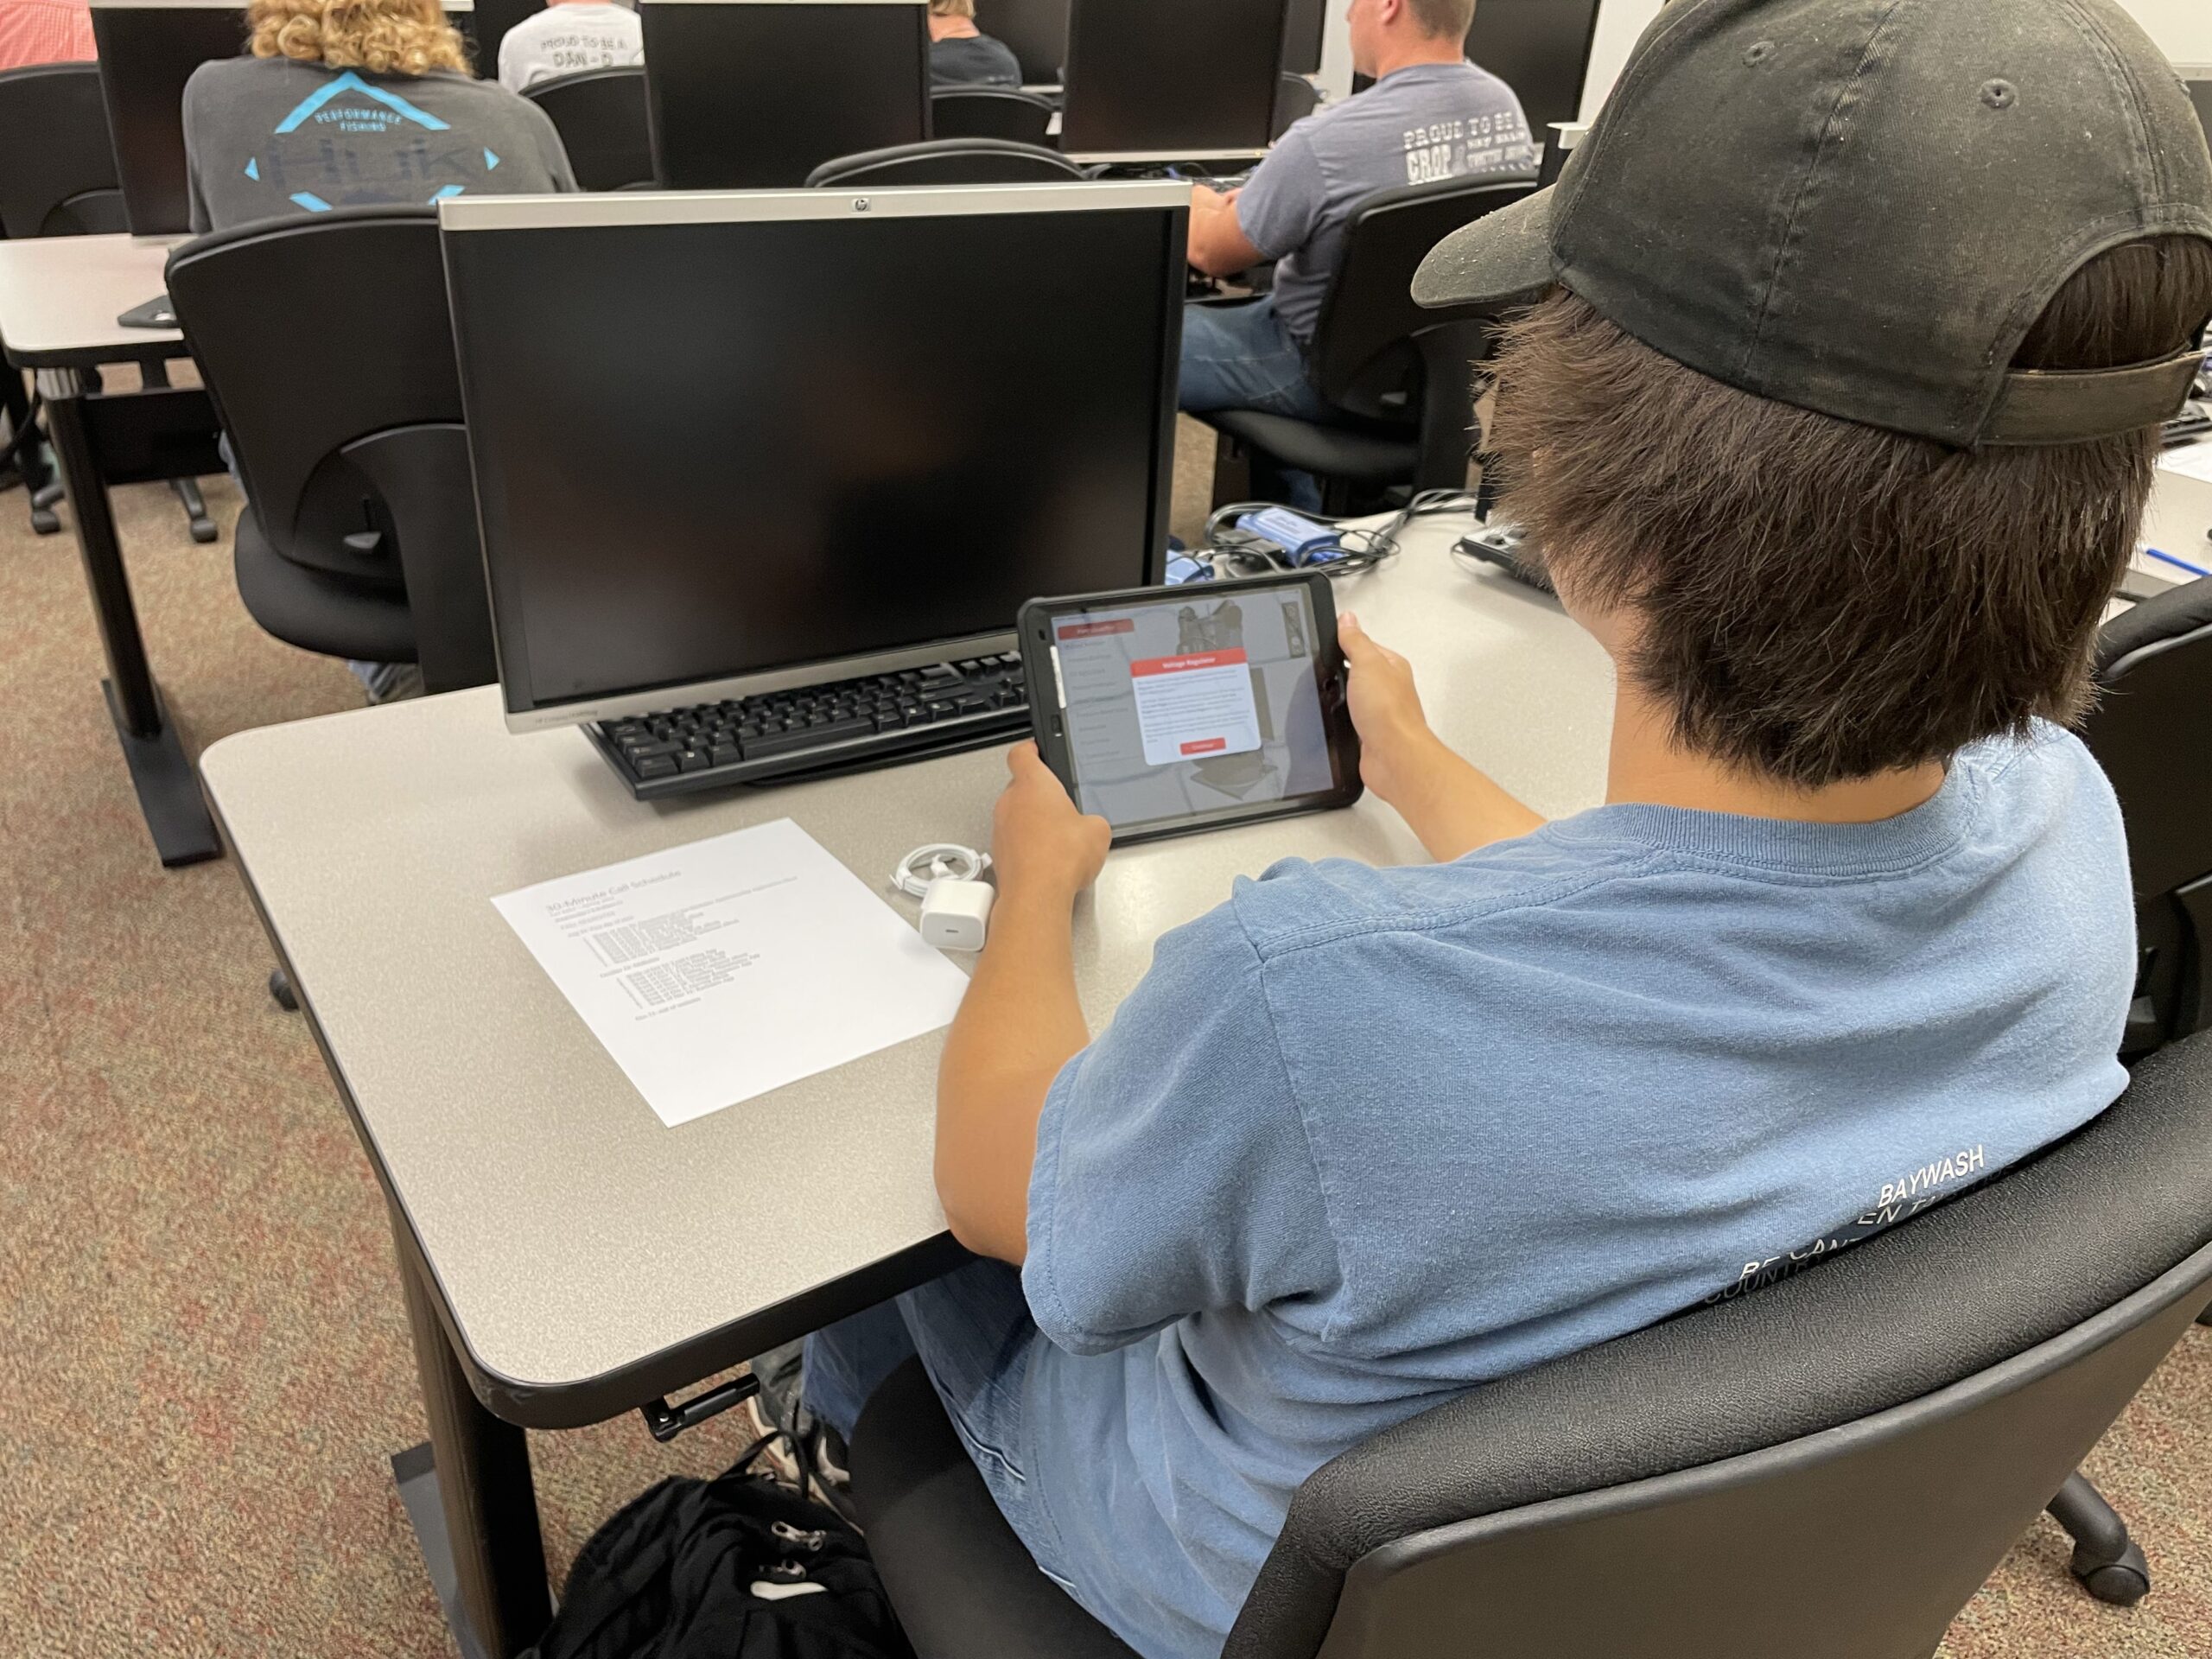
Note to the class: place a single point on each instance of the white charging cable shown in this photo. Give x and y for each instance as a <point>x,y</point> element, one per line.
<point>956,899</point>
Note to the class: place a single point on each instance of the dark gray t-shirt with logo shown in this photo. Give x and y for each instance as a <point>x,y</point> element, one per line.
<point>1431,121</point>
<point>272,137</point>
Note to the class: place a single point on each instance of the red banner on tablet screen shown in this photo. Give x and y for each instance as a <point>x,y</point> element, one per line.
<point>1196,659</point>
<point>1211,746</point>
<point>1095,629</point>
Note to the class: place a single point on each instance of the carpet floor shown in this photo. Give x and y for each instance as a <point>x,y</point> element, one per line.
<point>204,1362</point>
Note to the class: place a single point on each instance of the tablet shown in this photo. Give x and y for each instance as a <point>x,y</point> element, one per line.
<point>1169,710</point>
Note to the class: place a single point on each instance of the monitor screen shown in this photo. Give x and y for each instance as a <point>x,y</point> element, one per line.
<point>147,51</point>
<point>1035,31</point>
<point>735,443</point>
<point>1172,79</point>
<point>2200,93</point>
<point>1304,24</point>
<point>755,94</point>
<point>1540,48</point>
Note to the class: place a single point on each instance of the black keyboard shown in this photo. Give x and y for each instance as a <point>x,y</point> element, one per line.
<point>845,726</point>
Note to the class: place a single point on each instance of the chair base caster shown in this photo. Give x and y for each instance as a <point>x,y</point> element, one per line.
<point>2119,1584</point>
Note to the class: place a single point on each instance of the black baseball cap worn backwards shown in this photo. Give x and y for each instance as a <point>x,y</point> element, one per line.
<point>1862,207</point>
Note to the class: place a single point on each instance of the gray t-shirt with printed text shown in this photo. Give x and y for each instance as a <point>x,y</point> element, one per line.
<point>1429,121</point>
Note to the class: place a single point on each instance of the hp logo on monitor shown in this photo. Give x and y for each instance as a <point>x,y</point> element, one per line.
<point>860,204</point>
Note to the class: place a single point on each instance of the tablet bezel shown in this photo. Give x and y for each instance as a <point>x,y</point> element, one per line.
<point>1035,626</point>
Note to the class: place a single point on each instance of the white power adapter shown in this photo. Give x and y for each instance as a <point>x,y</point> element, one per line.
<point>956,899</point>
<point>956,915</point>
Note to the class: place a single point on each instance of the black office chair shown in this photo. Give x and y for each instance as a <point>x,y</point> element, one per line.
<point>600,116</point>
<point>1828,1468</point>
<point>360,537</point>
<point>991,112</point>
<point>1296,98</point>
<point>57,178</point>
<point>945,161</point>
<point>2148,731</point>
<point>1401,377</point>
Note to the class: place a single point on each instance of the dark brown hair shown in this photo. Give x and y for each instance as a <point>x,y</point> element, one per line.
<point>1818,601</point>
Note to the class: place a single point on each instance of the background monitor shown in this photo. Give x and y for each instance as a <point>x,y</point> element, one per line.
<point>1304,26</point>
<point>751,94</point>
<point>1172,79</point>
<point>147,53</point>
<point>1540,48</point>
<point>1035,31</point>
<point>785,441</point>
<point>149,49</point>
<point>2199,92</point>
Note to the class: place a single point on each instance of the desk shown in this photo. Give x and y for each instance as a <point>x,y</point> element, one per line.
<point>567,1258</point>
<point>2179,523</point>
<point>59,297</point>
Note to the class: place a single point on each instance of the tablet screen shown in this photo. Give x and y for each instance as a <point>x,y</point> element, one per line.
<point>1194,705</point>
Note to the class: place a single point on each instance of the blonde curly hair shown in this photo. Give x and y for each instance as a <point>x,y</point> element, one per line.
<point>385,37</point>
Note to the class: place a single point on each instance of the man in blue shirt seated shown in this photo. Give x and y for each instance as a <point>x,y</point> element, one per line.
<point>1430,115</point>
<point>1843,492</point>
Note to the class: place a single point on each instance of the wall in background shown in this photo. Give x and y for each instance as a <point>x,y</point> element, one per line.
<point>2182,29</point>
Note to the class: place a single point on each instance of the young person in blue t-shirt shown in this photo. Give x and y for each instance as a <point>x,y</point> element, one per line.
<point>1852,931</point>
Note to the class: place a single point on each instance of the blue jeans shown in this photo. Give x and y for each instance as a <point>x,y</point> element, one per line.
<point>973,1332</point>
<point>1241,357</point>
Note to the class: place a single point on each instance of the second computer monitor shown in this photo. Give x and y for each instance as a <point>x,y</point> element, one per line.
<point>752,94</point>
<point>147,53</point>
<point>1540,48</point>
<point>1172,79</point>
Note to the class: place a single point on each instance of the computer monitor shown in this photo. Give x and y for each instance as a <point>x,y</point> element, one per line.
<point>1035,31</point>
<point>1161,80</point>
<point>755,94</point>
<point>1540,48</point>
<point>2199,79</point>
<point>1304,26</point>
<point>755,441</point>
<point>149,49</point>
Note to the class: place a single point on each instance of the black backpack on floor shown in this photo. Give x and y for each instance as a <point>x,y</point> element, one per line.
<point>735,1567</point>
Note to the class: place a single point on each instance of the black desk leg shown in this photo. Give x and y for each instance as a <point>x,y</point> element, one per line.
<point>469,1495</point>
<point>169,791</point>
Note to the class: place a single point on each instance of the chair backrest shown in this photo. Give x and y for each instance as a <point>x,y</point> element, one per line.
<point>946,160</point>
<point>1827,1468</point>
<point>600,115</point>
<point>1366,344</point>
<point>342,402</point>
<point>57,168</point>
<point>1296,98</point>
<point>1035,31</point>
<point>2149,731</point>
<point>990,113</point>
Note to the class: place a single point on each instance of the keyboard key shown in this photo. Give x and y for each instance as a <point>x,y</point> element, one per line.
<point>724,754</point>
<point>808,737</point>
<point>691,761</point>
<point>656,766</point>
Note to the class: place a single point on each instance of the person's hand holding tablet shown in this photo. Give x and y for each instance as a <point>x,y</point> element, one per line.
<point>1449,803</point>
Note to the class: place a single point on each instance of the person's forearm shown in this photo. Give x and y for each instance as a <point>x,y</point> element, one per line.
<point>1452,805</point>
<point>1019,1024</point>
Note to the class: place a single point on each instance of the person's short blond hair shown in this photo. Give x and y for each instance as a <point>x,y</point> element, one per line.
<point>952,8</point>
<point>385,37</point>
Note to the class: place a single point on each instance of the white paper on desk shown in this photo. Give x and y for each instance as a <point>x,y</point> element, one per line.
<point>720,970</point>
<point>2190,460</point>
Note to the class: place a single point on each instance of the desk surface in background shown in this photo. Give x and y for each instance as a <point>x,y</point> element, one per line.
<point>571,1234</point>
<point>60,297</point>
